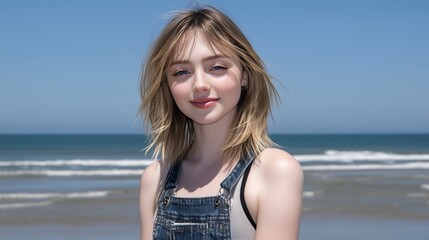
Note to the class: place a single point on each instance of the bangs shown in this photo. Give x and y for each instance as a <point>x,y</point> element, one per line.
<point>179,50</point>
<point>184,45</point>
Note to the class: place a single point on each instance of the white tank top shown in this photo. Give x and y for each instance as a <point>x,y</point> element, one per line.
<point>241,222</point>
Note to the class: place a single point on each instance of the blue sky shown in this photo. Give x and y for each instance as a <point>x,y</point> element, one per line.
<point>347,66</point>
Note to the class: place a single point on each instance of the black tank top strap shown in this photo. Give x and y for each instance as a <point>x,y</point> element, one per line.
<point>231,181</point>
<point>172,176</point>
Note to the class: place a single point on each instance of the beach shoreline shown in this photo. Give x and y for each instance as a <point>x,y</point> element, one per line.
<point>87,187</point>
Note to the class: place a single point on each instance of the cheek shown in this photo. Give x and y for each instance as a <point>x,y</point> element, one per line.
<point>230,87</point>
<point>178,92</point>
<point>232,82</point>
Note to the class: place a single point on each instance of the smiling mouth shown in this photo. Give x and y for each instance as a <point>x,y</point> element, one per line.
<point>204,102</point>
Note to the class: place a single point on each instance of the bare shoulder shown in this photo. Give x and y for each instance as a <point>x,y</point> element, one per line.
<point>151,182</point>
<point>152,171</point>
<point>279,195</point>
<point>276,162</point>
<point>150,186</point>
<point>153,175</point>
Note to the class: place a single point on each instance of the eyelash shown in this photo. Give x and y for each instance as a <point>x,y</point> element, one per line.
<point>180,73</point>
<point>218,68</point>
<point>214,68</point>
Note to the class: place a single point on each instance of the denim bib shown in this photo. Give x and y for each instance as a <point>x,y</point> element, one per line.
<point>202,218</point>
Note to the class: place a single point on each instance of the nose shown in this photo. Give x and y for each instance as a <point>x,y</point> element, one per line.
<point>200,82</point>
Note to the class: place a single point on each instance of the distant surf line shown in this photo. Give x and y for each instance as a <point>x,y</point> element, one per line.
<point>71,173</point>
<point>364,155</point>
<point>327,156</point>
<point>402,166</point>
<point>23,205</point>
<point>49,198</point>
<point>55,195</point>
<point>78,162</point>
<point>122,172</point>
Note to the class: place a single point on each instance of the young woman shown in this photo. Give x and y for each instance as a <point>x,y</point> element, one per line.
<point>206,96</point>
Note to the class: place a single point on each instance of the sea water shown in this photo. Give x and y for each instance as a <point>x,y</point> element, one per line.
<point>42,167</point>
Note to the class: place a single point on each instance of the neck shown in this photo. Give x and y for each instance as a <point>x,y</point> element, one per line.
<point>209,140</point>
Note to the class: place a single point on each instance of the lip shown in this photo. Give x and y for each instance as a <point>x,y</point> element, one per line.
<point>204,102</point>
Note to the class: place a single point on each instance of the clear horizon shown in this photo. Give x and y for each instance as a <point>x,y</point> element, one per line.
<point>354,67</point>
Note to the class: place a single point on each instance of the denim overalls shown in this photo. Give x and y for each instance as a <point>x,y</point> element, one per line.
<point>196,218</point>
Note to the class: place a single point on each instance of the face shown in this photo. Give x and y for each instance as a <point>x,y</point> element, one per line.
<point>206,86</point>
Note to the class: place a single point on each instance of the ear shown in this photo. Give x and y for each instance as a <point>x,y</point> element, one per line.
<point>244,81</point>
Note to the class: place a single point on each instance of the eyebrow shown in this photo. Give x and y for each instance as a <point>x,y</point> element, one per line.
<point>209,58</point>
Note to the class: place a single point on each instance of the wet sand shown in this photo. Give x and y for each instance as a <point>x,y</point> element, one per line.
<point>336,205</point>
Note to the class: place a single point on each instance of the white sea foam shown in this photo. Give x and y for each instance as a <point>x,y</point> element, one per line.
<point>416,195</point>
<point>70,173</point>
<point>22,205</point>
<point>308,194</point>
<point>425,186</point>
<point>328,156</point>
<point>402,166</point>
<point>90,194</point>
<point>79,162</point>
<point>385,160</point>
<point>351,156</point>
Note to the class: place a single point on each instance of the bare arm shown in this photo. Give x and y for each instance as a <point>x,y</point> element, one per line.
<point>149,188</point>
<point>280,196</point>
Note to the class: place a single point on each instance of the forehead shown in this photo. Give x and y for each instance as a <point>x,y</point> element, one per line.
<point>186,44</point>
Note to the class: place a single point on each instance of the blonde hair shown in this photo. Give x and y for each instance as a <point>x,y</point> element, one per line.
<point>171,132</point>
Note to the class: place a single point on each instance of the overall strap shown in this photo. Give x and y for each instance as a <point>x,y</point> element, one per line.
<point>172,176</point>
<point>229,183</point>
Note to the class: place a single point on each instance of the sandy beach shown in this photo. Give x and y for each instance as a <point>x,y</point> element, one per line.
<point>340,209</point>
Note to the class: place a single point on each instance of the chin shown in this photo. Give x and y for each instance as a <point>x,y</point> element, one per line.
<point>213,117</point>
<point>204,122</point>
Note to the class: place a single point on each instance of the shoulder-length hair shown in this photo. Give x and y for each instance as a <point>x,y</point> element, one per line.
<point>171,132</point>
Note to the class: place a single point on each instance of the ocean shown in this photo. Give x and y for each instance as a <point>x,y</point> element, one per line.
<point>364,186</point>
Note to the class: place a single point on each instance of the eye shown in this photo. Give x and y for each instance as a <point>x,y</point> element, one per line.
<point>180,73</point>
<point>218,68</point>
